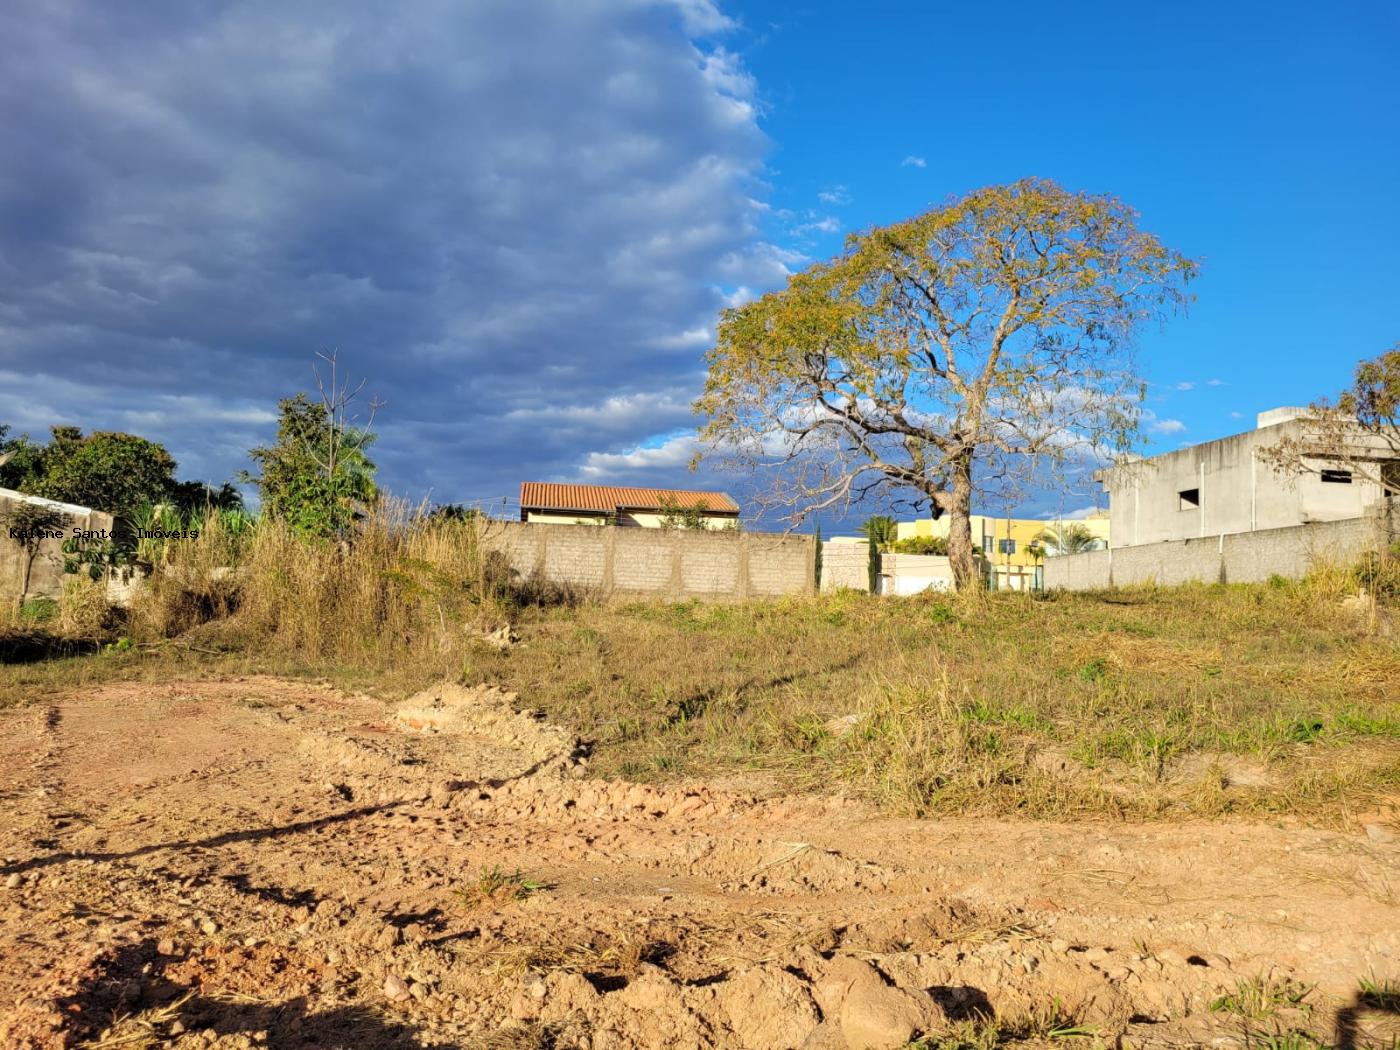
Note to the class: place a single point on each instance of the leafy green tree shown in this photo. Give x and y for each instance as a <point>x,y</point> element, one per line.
<point>20,461</point>
<point>105,470</point>
<point>299,480</point>
<point>194,498</point>
<point>968,349</point>
<point>1067,538</point>
<point>318,476</point>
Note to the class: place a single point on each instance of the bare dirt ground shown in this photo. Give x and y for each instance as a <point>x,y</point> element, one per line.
<point>260,862</point>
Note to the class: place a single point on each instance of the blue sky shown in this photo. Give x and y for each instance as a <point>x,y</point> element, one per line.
<point>519,220</point>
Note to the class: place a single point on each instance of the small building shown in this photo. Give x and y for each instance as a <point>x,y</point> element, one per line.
<point>1009,545</point>
<point>543,501</point>
<point>1226,486</point>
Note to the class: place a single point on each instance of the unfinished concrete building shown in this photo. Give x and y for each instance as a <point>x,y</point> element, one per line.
<point>1227,486</point>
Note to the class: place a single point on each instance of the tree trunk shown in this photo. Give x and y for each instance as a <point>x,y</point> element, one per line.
<point>957,504</point>
<point>27,566</point>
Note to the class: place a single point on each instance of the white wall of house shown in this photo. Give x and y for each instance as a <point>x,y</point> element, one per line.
<point>1223,487</point>
<point>914,573</point>
<point>639,518</point>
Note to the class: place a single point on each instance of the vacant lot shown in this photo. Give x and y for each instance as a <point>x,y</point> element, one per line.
<point>689,825</point>
<point>253,861</point>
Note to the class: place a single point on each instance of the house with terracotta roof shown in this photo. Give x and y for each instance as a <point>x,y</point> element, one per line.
<point>543,501</point>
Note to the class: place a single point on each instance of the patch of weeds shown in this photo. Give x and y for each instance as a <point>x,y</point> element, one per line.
<point>1294,1040</point>
<point>1305,730</point>
<point>807,733</point>
<point>977,1034</point>
<point>497,886</point>
<point>1379,995</point>
<point>38,610</point>
<point>1363,723</point>
<point>941,613</point>
<point>1093,671</point>
<point>1258,998</point>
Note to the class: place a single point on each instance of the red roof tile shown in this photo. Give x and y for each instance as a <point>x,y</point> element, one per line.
<point>607,499</point>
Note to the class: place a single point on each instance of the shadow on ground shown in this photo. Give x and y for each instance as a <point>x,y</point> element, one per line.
<point>127,997</point>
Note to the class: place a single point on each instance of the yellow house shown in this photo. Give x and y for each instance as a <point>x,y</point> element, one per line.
<point>1010,545</point>
<point>542,501</point>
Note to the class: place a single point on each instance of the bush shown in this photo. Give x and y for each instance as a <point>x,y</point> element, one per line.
<point>922,545</point>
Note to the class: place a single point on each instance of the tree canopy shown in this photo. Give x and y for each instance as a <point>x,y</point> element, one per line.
<point>317,476</point>
<point>969,348</point>
<point>104,470</point>
<point>1067,537</point>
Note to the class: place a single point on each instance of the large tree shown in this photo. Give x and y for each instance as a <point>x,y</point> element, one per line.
<point>1359,432</point>
<point>980,344</point>
<point>105,470</point>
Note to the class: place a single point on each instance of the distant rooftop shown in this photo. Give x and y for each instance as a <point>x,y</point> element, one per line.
<point>608,499</point>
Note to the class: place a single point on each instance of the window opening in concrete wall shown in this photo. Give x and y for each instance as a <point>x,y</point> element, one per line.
<point>1337,477</point>
<point>1188,499</point>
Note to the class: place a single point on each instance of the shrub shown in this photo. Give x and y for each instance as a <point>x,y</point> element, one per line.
<point>922,545</point>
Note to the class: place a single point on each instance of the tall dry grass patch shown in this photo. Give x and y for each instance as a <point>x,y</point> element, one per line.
<point>409,589</point>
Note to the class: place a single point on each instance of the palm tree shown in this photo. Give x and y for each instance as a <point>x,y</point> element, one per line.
<point>880,530</point>
<point>1067,538</point>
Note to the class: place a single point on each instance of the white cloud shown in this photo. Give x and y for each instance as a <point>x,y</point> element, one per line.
<point>1166,426</point>
<point>913,162</point>
<point>825,224</point>
<point>672,454</point>
<point>1215,382</point>
<point>1186,385</point>
<point>698,338</point>
<point>1236,415</point>
<point>834,195</point>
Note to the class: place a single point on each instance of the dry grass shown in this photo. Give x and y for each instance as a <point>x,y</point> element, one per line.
<point>1204,700</point>
<point>1276,698</point>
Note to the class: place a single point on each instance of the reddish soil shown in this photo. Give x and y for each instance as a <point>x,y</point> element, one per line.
<point>264,863</point>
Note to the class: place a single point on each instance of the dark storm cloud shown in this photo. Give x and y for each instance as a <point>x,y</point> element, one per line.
<point>517,218</point>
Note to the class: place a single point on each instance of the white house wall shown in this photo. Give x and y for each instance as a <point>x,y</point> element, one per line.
<point>1237,492</point>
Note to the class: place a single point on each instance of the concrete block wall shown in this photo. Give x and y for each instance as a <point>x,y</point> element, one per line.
<point>1243,557</point>
<point>674,564</point>
<point>46,575</point>
<point>845,566</point>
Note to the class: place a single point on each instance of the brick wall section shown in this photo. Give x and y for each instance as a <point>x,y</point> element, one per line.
<point>1243,557</point>
<point>673,564</point>
<point>845,565</point>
